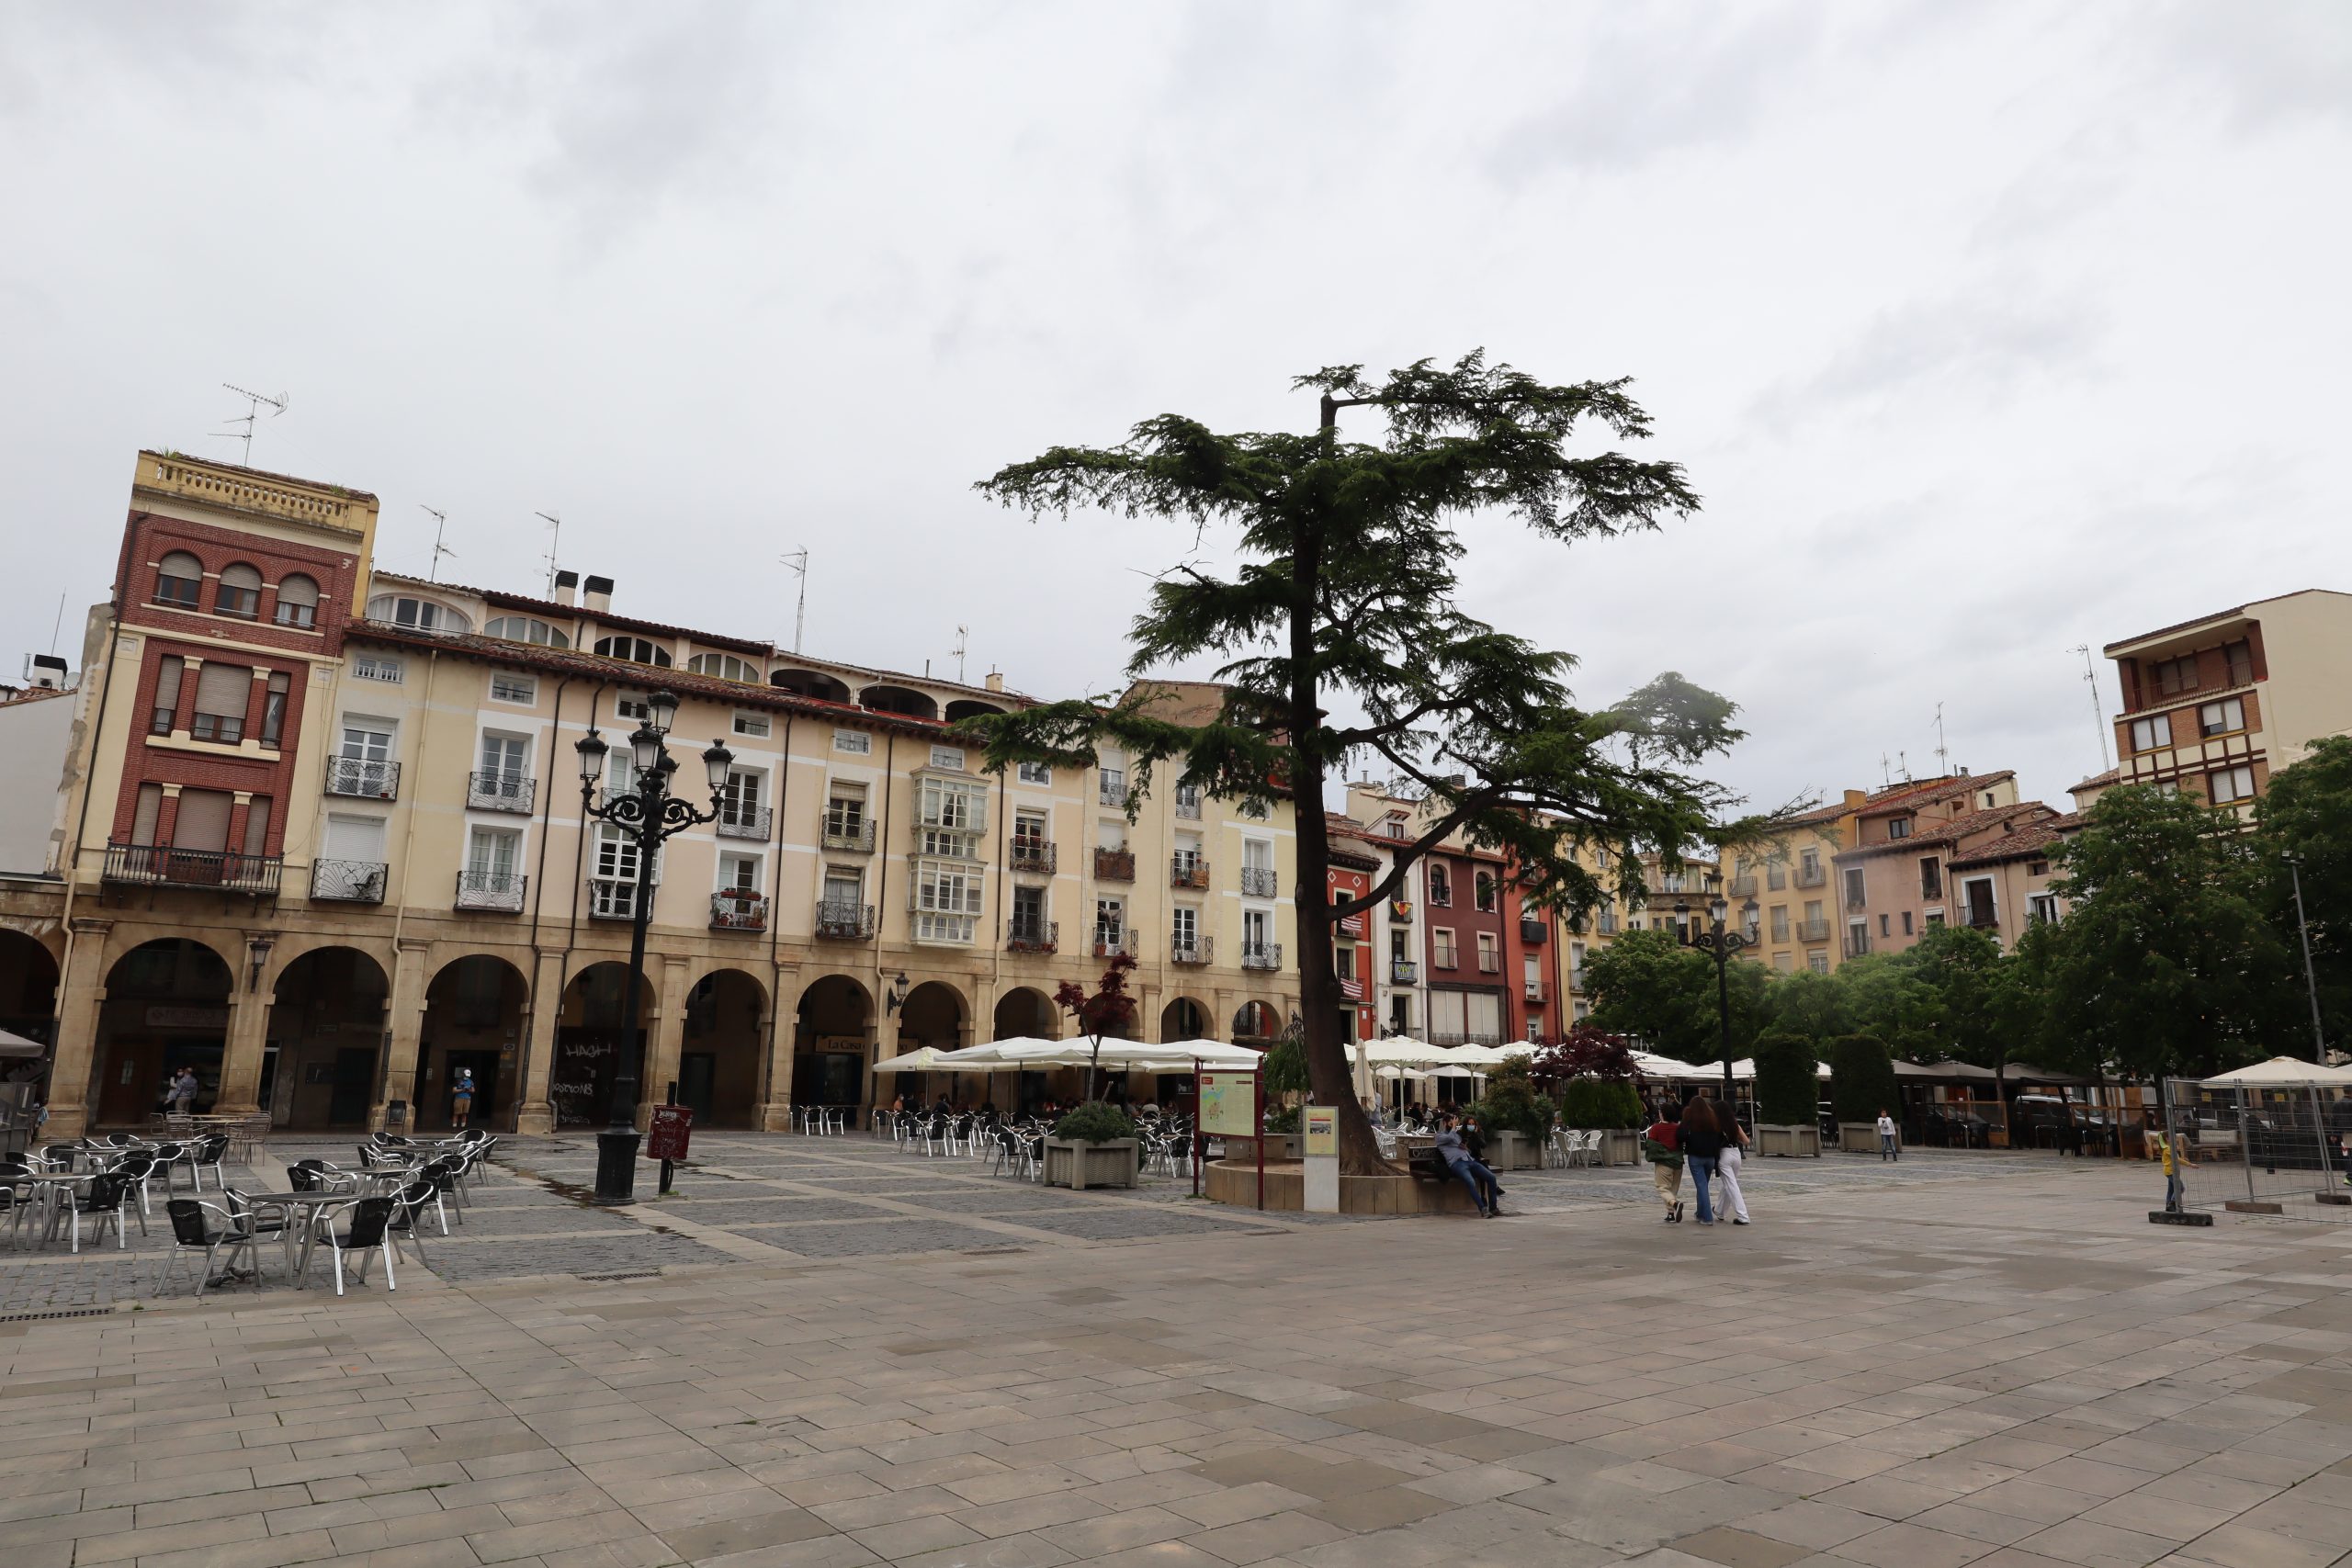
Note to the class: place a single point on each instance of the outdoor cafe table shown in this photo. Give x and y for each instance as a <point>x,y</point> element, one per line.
<point>49,1185</point>
<point>295,1208</point>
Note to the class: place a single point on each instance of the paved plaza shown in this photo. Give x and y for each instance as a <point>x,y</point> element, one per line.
<point>823,1351</point>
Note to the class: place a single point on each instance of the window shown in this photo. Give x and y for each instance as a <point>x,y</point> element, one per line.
<point>222,692</point>
<point>1184,928</point>
<point>493,853</point>
<point>615,862</point>
<point>1489,960</point>
<point>1898,827</point>
<point>367,740</point>
<point>1783,964</point>
<point>2221,718</point>
<point>947,902</point>
<point>1854,896</point>
<point>1776,876</point>
<point>1779,922</point>
<point>1441,886</point>
<point>1907,921</point>
<point>631,706</point>
<point>256,840</point>
<point>376,667</point>
<point>422,614</point>
<point>1033,774</point>
<point>525,629</point>
<point>1188,800</point>
<point>953,806</point>
<point>636,649</point>
<point>1809,867</point>
<point>273,707</point>
<point>164,712</point>
<point>2041,907</point>
<point>2221,786</point>
<point>739,799</point>
<point>1932,877</point>
<point>1817,961</point>
<point>1442,952</point>
<point>754,726</point>
<point>1111,789</point>
<point>948,757</point>
<point>1110,924</point>
<point>1029,917</point>
<point>846,811</point>
<point>506,688</point>
<point>854,742</point>
<point>203,822</point>
<point>1030,832</point>
<point>844,890</point>
<point>725,666</point>
<point>1483,890</point>
<point>239,594</point>
<point>2037,868</point>
<point>2239,656</point>
<point>739,873</point>
<point>1395,825</point>
<point>179,580</point>
<point>1976,895</point>
<point>506,765</point>
<point>1257,932</point>
<point>2176,674</point>
<point>2152,734</point>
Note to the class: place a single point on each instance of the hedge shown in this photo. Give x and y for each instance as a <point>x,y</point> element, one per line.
<point>1788,1090</point>
<point>1861,1078</point>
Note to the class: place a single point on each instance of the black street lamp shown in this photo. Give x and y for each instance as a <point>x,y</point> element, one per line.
<point>1720,945</point>
<point>647,813</point>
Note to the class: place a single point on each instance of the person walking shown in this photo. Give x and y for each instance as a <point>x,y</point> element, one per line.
<point>1484,1190</point>
<point>1727,1166</point>
<point>184,1092</point>
<point>1890,1142</point>
<point>1702,1140</point>
<point>1662,1146</point>
<point>462,1098</point>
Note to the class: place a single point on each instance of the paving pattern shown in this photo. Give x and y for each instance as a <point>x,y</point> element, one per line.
<point>1960,1361</point>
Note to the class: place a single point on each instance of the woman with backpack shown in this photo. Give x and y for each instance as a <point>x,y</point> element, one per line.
<point>1662,1146</point>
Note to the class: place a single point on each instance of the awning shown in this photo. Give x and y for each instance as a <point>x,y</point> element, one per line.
<point>2284,1071</point>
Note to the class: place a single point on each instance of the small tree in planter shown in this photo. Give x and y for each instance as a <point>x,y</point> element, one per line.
<point>1109,1009</point>
<point>1609,1104</point>
<point>1862,1084</point>
<point>1075,1154</point>
<point>1787,1095</point>
<point>1595,1071</point>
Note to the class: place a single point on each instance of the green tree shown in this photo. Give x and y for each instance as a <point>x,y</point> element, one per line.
<point>1341,637</point>
<point>1788,1090</point>
<point>1650,985</point>
<point>2167,963</point>
<point>2307,814</point>
<point>1861,1078</point>
<point>1886,999</point>
<point>1813,1005</point>
<point>1956,965</point>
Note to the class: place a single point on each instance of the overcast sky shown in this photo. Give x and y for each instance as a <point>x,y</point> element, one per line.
<point>1985,330</point>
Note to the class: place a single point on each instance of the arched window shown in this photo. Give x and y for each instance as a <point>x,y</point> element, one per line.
<point>636,649</point>
<point>298,601</point>
<point>522,628</point>
<point>239,594</point>
<point>419,614</point>
<point>179,580</point>
<point>810,684</point>
<point>725,666</point>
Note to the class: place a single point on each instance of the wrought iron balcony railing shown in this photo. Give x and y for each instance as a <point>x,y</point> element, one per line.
<point>1743,888</point>
<point>1404,972</point>
<point>1111,788</point>
<point>844,920</point>
<point>739,821</point>
<point>1261,955</point>
<point>1983,919</point>
<point>612,898</point>
<point>500,892</point>
<point>1114,866</point>
<point>1259,881</point>
<point>160,865</point>
<point>739,911</point>
<point>1533,990</point>
<point>499,791</point>
<point>1813,931</point>
<point>1031,936</point>
<point>1188,871</point>
<point>1490,964</point>
<point>1812,875</point>
<point>853,833</point>
<point>1188,805</point>
<point>347,881</point>
<point>1858,943</point>
<point>362,779</point>
<point>1112,943</point>
<point>1034,856</point>
<point>1196,951</point>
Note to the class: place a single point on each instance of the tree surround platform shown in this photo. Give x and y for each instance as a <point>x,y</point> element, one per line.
<point>1235,1182</point>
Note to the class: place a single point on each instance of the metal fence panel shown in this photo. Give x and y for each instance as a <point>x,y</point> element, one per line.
<point>2266,1149</point>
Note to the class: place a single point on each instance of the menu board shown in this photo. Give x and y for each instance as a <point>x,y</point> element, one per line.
<point>1229,1104</point>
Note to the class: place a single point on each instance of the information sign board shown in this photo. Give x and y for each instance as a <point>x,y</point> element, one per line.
<point>1229,1104</point>
<point>666,1135</point>
<point>1322,1124</point>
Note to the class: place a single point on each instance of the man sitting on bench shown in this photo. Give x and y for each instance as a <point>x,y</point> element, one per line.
<point>1484,1190</point>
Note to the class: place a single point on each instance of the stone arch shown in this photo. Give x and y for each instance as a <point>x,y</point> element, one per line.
<point>722,1048</point>
<point>970,707</point>
<point>593,1036</point>
<point>1025,1011</point>
<point>473,1018</point>
<point>27,986</point>
<point>1256,1020</point>
<point>811,683</point>
<point>934,1013</point>
<point>833,1042</point>
<point>167,1008</point>
<point>1185,1018</point>
<point>325,1048</point>
<point>884,698</point>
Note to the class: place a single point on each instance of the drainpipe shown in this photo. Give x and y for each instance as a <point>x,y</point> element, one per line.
<point>531,1001</point>
<point>578,865</point>
<point>400,910</point>
<point>776,917</point>
<point>882,881</point>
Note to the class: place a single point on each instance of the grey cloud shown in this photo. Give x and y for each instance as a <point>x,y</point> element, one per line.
<point>1988,340</point>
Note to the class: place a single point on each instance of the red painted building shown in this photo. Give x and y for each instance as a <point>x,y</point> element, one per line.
<point>1464,898</point>
<point>1353,953</point>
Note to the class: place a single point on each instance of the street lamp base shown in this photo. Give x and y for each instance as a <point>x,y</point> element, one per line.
<point>616,1166</point>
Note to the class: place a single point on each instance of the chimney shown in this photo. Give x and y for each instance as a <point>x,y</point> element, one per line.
<point>49,672</point>
<point>996,680</point>
<point>596,595</point>
<point>565,582</point>
<point>1857,798</point>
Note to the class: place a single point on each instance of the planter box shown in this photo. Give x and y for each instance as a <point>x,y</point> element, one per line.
<point>1789,1142</point>
<point>1862,1138</point>
<point>1513,1151</point>
<point>1113,1163</point>
<point>1621,1145</point>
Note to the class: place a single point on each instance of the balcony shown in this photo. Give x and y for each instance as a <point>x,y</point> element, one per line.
<point>1858,943</point>
<point>347,881</point>
<point>844,920</point>
<point>1931,888</point>
<point>1404,972</point>
<point>1533,933</point>
<point>1036,856</point>
<point>1812,875</point>
<point>362,780</point>
<point>1532,991</point>
<point>160,865</point>
<point>1110,943</point>
<point>1188,805</point>
<point>1351,988</point>
<point>1983,918</point>
<point>1188,871</point>
<point>1490,962</point>
<point>1259,881</point>
<point>1813,931</point>
<point>1031,935</point>
<point>1111,789</point>
<point>737,820</point>
<point>735,911</point>
<point>1473,1037</point>
<point>499,792</point>
<point>1114,866</point>
<point>1193,951</point>
<point>1743,888</point>
<point>498,891</point>
<point>855,834</point>
<point>1261,955</point>
<point>1857,898</point>
<point>612,898</point>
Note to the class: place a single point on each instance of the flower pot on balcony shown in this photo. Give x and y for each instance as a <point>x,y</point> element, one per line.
<point>1074,1163</point>
<point>1789,1142</point>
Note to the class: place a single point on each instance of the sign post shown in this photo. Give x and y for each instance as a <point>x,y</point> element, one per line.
<point>666,1135</point>
<point>1321,1182</point>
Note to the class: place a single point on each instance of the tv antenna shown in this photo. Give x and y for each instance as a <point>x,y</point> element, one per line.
<point>440,522</point>
<point>1903,765</point>
<point>963,639</point>
<point>1885,773</point>
<point>554,539</point>
<point>1943,757</point>
<point>798,561</point>
<point>255,403</point>
<point>2098,718</point>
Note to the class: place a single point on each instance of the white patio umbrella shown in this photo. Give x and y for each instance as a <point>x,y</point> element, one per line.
<point>2282,1071</point>
<point>922,1059</point>
<point>1399,1050</point>
<point>1476,1056</point>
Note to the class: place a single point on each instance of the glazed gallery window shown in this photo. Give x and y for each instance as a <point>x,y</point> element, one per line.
<point>524,629</point>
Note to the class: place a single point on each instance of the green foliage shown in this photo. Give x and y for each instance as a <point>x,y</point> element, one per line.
<point>1282,1119</point>
<point>1788,1092</point>
<point>1600,1103</point>
<point>1648,984</point>
<point>1861,1078</point>
<point>1282,1068</point>
<point>1511,1103</point>
<point>1094,1123</point>
<point>2304,814</point>
<point>1813,1005</point>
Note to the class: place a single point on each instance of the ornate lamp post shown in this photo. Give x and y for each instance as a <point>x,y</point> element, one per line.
<point>647,813</point>
<point>1720,945</point>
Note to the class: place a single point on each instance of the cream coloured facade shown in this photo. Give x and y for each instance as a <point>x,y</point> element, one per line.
<point>378,871</point>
